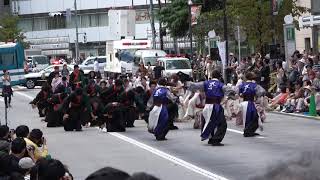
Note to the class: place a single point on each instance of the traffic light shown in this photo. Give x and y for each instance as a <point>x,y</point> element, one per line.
<point>209,5</point>
<point>85,38</point>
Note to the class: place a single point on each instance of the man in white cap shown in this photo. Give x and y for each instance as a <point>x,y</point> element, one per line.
<point>209,67</point>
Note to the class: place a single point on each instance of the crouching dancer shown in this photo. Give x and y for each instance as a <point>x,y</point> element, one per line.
<point>214,125</point>
<point>77,110</point>
<point>159,118</point>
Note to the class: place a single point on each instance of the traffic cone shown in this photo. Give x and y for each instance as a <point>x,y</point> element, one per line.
<point>312,106</point>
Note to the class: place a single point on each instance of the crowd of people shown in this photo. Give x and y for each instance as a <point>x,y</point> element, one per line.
<point>114,103</point>
<point>24,156</point>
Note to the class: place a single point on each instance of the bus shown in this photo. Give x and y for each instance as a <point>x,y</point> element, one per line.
<point>120,55</point>
<point>12,59</point>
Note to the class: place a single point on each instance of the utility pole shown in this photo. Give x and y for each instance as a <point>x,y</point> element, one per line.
<point>152,26</point>
<point>77,32</point>
<point>160,29</point>
<point>272,23</point>
<point>225,30</point>
<point>190,3</point>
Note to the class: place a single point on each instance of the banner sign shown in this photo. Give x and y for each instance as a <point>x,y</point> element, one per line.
<point>195,13</point>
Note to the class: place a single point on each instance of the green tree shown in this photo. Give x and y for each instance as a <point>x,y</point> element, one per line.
<point>175,18</point>
<point>10,30</point>
<point>253,16</point>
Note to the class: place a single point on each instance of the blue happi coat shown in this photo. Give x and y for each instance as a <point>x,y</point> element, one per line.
<point>159,118</point>
<point>248,91</point>
<point>213,112</point>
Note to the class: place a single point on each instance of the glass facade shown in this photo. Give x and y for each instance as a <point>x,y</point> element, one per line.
<point>60,22</point>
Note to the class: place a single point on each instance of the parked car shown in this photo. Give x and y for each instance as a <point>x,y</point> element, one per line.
<point>87,65</point>
<point>175,65</point>
<point>38,78</point>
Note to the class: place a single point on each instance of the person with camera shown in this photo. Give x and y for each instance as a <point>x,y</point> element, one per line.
<point>37,144</point>
<point>5,139</point>
<point>17,152</point>
<point>6,89</point>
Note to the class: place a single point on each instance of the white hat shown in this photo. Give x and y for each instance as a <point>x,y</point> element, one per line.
<point>26,163</point>
<point>303,61</point>
<point>231,54</point>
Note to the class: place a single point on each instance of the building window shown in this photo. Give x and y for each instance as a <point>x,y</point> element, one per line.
<point>57,22</point>
<point>94,20</point>
<point>103,20</point>
<point>85,21</point>
<point>6,2</point>
<point>25,24</point>
<point>40,24</point>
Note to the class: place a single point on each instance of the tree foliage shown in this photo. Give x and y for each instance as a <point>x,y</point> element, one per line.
<point>254,17</point>
<point>10,30</point>
<point>175,18</point>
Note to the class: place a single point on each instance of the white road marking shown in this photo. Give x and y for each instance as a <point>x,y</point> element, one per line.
<point>235,131</point>
<point>1,100</point>
<point>169,157</point>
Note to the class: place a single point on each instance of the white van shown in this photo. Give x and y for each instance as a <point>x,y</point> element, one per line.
<point>175,65</point>
<point>38,62</point>
<point>148,56</point>
<point>87,65</point>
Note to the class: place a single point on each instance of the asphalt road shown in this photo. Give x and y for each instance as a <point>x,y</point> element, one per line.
<point>183,156</point>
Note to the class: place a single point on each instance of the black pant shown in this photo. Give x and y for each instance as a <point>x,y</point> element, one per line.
<point>130,116</point>
<point>163,134</point>
<point>7,100</point>
<point>77,116</point>
<point>117,122</point>
<point>173,113</point>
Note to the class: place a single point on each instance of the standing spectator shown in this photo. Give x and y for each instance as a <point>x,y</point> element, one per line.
<point>6,90</point>
<point>149,69</point>
<point>53,74</point>
<point>209,67</point>
<point>96,69</point>
<point>55,82</point>
<point>65,72</point>
<point>158,71</point>
<point>265,75</point>
<point>281,76</point>
<point>76,77</point>
<point>4,139</point>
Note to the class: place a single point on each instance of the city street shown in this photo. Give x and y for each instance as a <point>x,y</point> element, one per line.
<point>183,156</point>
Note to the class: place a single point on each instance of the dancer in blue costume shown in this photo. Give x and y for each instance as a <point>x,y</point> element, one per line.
<point>249,90</point>
<point>159,118</point>
<point>214,124</point>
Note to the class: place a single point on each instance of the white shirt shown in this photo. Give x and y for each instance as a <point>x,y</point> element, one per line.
<point>96,66</point>
<point>5,82</point>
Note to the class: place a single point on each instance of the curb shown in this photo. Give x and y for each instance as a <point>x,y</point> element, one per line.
<point>295,115</point>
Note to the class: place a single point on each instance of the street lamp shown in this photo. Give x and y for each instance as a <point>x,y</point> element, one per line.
<point>190,3</point>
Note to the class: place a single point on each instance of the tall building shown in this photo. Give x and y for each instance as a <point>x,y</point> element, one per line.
<point>307,37</point>
<point>48,30</point>
<point>4,7</point>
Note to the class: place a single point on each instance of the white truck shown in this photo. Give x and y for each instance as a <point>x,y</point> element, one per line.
<point>120,55</point>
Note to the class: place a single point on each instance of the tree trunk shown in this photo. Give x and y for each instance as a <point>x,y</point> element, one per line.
<point>152,26</point>
<point>160,28</point>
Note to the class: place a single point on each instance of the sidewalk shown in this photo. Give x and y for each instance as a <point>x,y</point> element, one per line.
<point>296,115</point>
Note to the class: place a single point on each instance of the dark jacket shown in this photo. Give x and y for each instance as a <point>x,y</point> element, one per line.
<point>4,146</point>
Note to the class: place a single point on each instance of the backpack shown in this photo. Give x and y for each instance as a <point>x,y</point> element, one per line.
<point>294,76</point>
